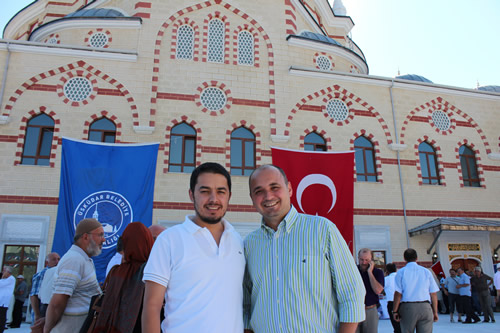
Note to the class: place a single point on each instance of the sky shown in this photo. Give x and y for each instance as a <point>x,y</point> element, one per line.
<point>450,42</point>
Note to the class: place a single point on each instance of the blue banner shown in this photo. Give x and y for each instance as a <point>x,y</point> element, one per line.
<point>113,183</point>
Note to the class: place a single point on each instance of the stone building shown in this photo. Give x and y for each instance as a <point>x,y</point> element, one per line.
<point>224,81</point>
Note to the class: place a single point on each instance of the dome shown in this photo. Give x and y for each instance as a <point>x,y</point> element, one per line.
<point>414,77</point>
<point>96,12</point>
<point>319,37</point>
<point>490,88</point>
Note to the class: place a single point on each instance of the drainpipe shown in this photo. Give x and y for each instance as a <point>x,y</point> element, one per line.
<point>399,165</point>
<point>4,79</point>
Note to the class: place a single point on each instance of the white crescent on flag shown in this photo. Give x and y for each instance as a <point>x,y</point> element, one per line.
<point>316,179</point>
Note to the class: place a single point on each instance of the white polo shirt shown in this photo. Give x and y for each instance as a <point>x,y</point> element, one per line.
<point>204,281</point>
<point>390,281</point>
<point>415,283</point>
<point>7,286</point>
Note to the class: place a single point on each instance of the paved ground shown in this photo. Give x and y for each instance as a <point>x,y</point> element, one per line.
<point>442,326</point>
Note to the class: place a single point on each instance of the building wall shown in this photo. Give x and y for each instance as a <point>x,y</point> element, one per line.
<point>281,99</point>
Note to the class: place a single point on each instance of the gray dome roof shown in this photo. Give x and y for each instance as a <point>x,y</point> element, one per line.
<point>96,12</point>
<point>414,77</point>
<point>490,88</point>
<point>319,37</point>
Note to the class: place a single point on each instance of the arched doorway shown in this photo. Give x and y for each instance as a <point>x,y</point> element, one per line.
<point>466,264</point>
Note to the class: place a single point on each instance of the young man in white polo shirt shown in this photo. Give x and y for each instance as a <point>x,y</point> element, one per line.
<point>197,266</point>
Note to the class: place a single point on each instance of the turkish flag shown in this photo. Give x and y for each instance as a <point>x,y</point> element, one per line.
<point>323,184</point>
<point>438,269</point>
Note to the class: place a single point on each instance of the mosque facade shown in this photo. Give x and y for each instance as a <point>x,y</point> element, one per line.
<point>225,81</point>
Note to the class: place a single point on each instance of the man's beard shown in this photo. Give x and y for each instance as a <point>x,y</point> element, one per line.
<point>93,249</point>
<point>208,219</point>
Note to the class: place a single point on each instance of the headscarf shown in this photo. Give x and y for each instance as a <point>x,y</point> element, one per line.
<point>122,302</point>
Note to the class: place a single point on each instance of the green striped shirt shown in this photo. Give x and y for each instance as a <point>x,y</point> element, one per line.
<point>300,278</point>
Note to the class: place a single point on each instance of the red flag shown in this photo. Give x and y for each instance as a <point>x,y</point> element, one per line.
<point>438,269</point>
<point>322,183</point>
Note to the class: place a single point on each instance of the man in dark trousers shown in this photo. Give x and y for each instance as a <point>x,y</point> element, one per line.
<point>373,279</point>
<point>465,297</point>
<point>20,294</point>
<point>390,285</point>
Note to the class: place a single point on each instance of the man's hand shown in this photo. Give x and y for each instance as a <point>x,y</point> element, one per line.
<point>436,316</point>
<point>371,266</point>
<point>396,316</point>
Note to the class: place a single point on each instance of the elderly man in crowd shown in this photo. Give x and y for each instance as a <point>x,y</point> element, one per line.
<point>301,276</point>
<point>76,280</point>
<point>51,260</point>
<point>482,283</point>
<point>7,285</point>
<point>20,295</point>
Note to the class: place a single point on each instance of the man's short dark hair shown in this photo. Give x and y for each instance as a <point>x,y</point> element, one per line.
<point>208,167</point>
<point>410,255</point>
<point>266,166</point>
<point>452,269</point>
<point>390,268</point>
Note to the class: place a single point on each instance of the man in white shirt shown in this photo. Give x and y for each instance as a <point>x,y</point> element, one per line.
<point>197,266</point>
<point>389,288</point>
<point>7,285</point>
<point>415,298</point>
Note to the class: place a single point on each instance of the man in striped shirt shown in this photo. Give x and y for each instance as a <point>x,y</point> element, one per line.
<point>300,276</point>
<point>75,282</point>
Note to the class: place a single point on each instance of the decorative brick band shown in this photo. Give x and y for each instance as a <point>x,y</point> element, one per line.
<point>290,18</point>
<point>479,165</point>
<point>376,149</point>
<point>216,16</point>
<point>103,114</point>
<point>439,158</point>
<point>440,104</point>
<point>350,99</point>
<point>22,134</point>
<point>187,11</point>
<point>258,143</point>
<point>174,122</point>
<point>143,9</point>
<point>79,65</point>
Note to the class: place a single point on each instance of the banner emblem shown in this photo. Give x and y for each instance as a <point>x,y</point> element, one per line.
<point>312,180</point>
<point>111,209</point>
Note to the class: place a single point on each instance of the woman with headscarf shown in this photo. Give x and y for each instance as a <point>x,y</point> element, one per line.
<point>122,302</point>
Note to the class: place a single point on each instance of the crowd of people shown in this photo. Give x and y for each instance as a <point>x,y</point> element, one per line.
<point>293,274</point>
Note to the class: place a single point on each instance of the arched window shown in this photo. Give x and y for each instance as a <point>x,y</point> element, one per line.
<point>185,42</point>
<point>38,140</point>
<point>245,48</point>
<point>182,148</point>
<point>428,163</point>
<point>314,142</point>
<point>469,167</point>
<point>216,41</point>
<point>102,130</point>
<point>242,152</point>
<point>366,170</point>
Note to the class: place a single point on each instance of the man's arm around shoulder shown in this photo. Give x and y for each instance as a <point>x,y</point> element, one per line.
<point>55,311</point>
<point>153,301</point>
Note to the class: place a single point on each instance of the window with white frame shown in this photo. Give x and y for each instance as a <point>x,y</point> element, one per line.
<point>245,48</point>
<point>215,41</point>
<point>185,42</point>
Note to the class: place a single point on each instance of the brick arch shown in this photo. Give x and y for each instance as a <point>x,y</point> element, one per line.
<point>336,91</point>
<point>252,22</point>
<point>439,159</point>
<point>318,131</point>
<point>70,67</point>
<point>196,37</point>
<point>216,16</point>
<point>258,143</point>
<point>479,164</point>
<point>22,134</point>
<point>440,104</point>
<point>173,123</point>
<point>376,148</point>
<point>102,114</point>
<point>256,52</point>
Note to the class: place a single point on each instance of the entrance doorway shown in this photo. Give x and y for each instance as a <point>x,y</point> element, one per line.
<point>23,259</point>
<point>466,264</point>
